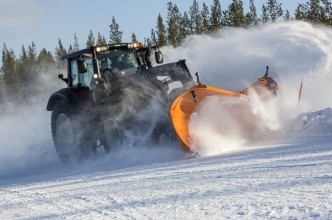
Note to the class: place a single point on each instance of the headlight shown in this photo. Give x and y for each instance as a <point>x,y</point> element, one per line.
<point>102,48</point>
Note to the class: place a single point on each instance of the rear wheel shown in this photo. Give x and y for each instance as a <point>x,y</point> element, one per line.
<point>71,142</point>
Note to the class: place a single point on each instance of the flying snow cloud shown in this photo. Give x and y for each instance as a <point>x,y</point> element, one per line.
<point>234,58</point>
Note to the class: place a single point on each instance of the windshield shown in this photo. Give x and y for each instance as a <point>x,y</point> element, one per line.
<point>117,59</point>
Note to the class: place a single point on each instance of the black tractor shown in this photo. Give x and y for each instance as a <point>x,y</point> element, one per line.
<point>114,96</point>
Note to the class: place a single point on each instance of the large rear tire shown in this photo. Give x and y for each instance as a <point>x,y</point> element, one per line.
<point>69,140</point>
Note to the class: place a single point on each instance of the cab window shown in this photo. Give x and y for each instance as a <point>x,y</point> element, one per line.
<point>82,79</point>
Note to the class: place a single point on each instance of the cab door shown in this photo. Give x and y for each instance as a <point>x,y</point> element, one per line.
<point>81,83</point>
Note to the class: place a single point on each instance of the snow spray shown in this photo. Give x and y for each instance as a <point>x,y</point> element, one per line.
<point>234,58</point>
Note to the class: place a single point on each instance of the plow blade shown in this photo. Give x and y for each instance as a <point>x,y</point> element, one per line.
<point>189,101</point>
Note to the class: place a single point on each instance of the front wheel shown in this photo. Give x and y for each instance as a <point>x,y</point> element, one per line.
<point>112,135</point>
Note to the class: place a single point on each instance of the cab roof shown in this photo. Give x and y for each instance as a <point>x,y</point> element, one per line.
<point>91,49</point>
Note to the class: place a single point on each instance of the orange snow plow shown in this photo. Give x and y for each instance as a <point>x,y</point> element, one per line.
<point>188,102</point>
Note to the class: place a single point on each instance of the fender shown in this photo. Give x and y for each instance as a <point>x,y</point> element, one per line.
<point>61,96</point>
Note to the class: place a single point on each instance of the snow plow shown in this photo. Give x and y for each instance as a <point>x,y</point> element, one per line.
<point>191,100</point>
<point>115,97</point>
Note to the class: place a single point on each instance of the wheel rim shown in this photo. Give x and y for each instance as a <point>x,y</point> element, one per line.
<point>111,133</point>
<point>64,134</point>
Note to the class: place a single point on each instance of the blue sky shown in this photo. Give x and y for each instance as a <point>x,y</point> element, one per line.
<point>45,21</point>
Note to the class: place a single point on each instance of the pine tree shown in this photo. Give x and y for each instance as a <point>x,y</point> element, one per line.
<point>205,19</point>
<point>59,52</point>
<point>235,14</point>
<point>174,21</point>
<point>100,39</point>
<point>91,40</point>
<point>265,17</point>
<point>251,17</point>
<point>153,37</point>
<point>195,18</point>
<point>327,11</point>
<point>23,68</point>
<point>161,32</point>
<point>45,58</point>
<point>315,13</point>
<point>300,12</point>
<point>76,46</point>
<point>274,10</point>
<point>216,16</point>
<point>133,38</point>
<point>287,16</point>
<point>115,33</point>
<point>70,49</point>
<point>186,27</point>
<point>10,75</point>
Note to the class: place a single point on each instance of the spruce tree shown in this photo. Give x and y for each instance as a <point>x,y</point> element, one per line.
<point>115,33</point>
<point>251,17</point>
<point>300,12</point>
<point>59,52</point>
<point>327,11</point>
<point>10,75</point>
<point>70,49</point>
<point>265,17</point>
<point>287,16</point>
<point>205,19</point>
<point>76,46</point>
<point>274,10</point>
<point>186,27</point>
<point>133,38</point>
<point>174,21</point>
<point>195,18</point>
<point>235,14</point>
<point>216,16</point>
<point>91,40</point>
<point>315,12</point>
<point>161,32</point>
<point>100,39</point>
<point>153,37</point>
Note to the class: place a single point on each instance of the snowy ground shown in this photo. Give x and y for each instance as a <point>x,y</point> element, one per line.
<point>282,180</point>
<point>284,173</point>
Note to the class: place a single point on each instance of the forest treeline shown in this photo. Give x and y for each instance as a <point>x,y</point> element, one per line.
<point>26,75</point>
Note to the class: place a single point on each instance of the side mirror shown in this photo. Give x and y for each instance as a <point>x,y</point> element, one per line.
<point>82,66</point>
<point>159,57</point>
<point>60,76</point>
